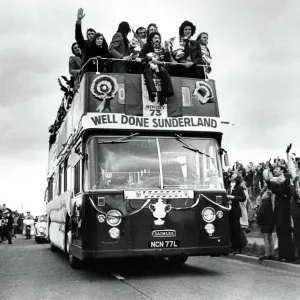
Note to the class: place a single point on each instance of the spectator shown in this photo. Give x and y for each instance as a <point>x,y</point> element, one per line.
<point>75,61</point>
<point>244,221</point>
<point>202,39</point>
<point>119,48</point>
<point>295,203</point>
<point>1,225</point>
<point>82,43</point>
<point>265,220</point>
<point>257,181</point>
<point>280,186</point>
<point>249,181</point>
<point>98,47</point>
<point>29,216</point>
<point>8,225</point>
<point>236,194</point>
<point>152,55</point>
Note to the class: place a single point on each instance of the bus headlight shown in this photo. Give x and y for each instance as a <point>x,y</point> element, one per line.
<point>209,228</point>
<point>114,233</point>
<point>208,214</point>
<point>113,217</point>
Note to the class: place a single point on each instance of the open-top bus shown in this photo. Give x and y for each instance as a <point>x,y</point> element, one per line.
<point>129,177</point>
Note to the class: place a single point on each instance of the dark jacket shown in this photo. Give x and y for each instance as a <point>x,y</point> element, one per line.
<point>282,210</point>
<point>249,178</point>
<point>295,203</point>
<point>148,48</point>
<point>82,43</point>
<point>239,196</point>
<point>93,51</point>
<point>117,49</point>
<point>195,53</point>
<point>258,178</point>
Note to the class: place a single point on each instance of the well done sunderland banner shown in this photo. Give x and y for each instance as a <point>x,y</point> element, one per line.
<point>119,121</point>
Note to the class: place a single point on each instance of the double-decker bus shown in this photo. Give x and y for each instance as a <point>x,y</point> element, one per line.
<point>131,177</point>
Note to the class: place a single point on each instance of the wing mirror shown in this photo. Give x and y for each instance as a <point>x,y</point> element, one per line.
<point>226,160</point>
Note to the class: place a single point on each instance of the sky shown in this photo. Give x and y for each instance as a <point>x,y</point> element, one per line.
<point>256,61</point>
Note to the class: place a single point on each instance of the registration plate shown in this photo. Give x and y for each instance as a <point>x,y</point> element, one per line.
<point>164,244</point>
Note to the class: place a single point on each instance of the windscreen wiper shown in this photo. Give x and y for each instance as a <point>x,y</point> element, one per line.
<point>120,140</point>
<point>190,147</point>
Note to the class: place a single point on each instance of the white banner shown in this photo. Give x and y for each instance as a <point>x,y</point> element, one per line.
<point>152,108</point>
<point>119,121</point>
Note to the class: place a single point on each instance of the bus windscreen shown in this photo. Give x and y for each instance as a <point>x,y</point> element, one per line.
<point>152,163</point>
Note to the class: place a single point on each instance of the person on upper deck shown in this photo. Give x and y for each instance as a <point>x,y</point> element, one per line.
<point>138,41</point>
<point>187,52</point>
<point>202,39</point>
<point>75,61</point>
<point>98,47</point>
<point>152,27</point>
<point>153,55</point>
<point>119,48</point>
<point>82,43</point>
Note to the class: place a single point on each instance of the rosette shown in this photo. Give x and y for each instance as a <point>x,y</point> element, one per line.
<point>203,92</point>
<point>104,87</point>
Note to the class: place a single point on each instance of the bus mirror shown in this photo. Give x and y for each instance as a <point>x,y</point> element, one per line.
<point>226,160</point>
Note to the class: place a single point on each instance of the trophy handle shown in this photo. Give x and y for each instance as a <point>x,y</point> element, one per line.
<point>168,208</point>
<point>152,208</point>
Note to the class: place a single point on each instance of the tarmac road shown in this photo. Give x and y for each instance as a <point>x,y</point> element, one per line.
<point>31,271</point>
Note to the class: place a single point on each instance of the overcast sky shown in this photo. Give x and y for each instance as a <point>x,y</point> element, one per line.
<point>256,63</point>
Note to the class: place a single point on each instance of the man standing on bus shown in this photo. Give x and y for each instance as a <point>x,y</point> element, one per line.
<point>82,43</point>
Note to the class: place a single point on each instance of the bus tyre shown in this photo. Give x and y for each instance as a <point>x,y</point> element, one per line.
<point>178,259</point>
<point>75,263</point>
<point>52,247</point>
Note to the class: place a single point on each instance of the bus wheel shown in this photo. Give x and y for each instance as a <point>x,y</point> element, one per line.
<point>75,263</point>
<point>52,247</point>
<point>178,259</point>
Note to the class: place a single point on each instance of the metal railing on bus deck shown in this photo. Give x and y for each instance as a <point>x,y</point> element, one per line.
<point>164,63</point>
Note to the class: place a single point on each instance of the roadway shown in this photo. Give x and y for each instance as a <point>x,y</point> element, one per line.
<point>31,271</point>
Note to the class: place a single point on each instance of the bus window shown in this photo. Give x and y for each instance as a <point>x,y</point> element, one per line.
<point>122,166</point>
<point>68,178</point>
<point>77,178</point>
<point>185,168</point>
<point>50,189</point>
<point>65,175</point>
<point>60,181</point>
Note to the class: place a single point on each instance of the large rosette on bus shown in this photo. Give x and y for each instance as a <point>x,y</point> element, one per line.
<point>104,87</point>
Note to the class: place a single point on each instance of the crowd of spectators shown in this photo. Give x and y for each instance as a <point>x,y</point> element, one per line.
<point>11,223</point>
<point>143,54</point>
<point>268,194</point>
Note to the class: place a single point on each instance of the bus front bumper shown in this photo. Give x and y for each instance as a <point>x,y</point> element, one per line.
<point>98,254</point>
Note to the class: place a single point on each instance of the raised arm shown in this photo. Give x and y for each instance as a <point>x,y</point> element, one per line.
<point>78,32</point>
